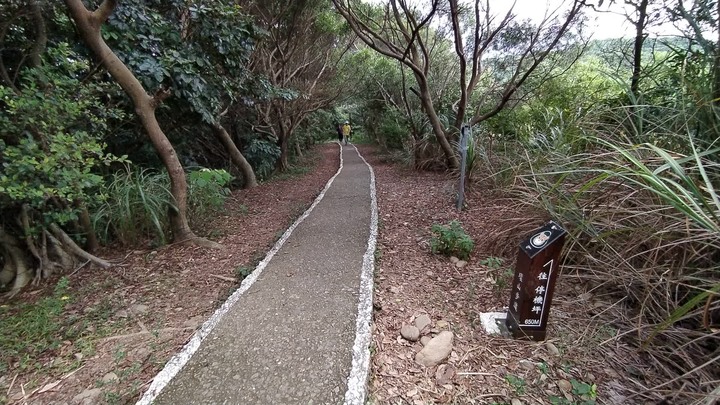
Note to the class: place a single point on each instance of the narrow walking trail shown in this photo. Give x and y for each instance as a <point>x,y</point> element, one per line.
<point>291,333</point>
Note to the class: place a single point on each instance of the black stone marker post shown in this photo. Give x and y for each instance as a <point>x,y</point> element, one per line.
<point>535,276</point>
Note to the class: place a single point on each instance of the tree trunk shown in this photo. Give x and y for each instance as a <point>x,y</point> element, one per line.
<point>86,224</point>
<point>637,49</point>
<point>282,162</point>
<point>89,24</point>
<point>298,150</point>
<point>40,34</point>
<point>236,156</point>
<point>450,156</point>
<point>27,231</point>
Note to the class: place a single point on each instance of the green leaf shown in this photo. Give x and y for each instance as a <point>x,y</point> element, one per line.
<point>682,311</point>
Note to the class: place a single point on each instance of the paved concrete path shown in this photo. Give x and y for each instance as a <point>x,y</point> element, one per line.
<point>291,333</point>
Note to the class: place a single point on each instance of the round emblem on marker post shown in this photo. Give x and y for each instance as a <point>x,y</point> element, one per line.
<point>539,240</point>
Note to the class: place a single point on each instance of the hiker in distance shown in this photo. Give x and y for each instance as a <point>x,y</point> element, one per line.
<point>346,131</point>
<point>339,129</point>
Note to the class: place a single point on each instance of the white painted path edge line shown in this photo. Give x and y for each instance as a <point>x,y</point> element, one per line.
<point>357,380</point>
<point>178,361</point>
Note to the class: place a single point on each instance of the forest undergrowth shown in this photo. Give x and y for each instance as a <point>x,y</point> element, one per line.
<point>644,234</point>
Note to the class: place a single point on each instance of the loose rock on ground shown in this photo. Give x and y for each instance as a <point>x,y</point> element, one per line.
<point>410,333</point>
<point>436,350</point>
<point>422,322</point>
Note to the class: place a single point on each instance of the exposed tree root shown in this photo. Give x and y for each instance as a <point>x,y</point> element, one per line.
<point>63,259</point>
<point>7,274</point>
<point>16,263</point>
<point>71,246</point>
<point>31,259</point>
<point>202,242</point>
<point>29,241</point>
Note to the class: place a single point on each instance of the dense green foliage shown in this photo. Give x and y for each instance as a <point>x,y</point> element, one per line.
<point>75,155</point>
<point>136,203</point>
<point>208,190</point>
<point>53,150</point>
<point>137,208</point>
<point>262,155</point>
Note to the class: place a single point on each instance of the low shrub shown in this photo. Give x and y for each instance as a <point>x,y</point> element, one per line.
<point>451,240</point>
<point>262,156</point>
<point>136,203</point>
<point>207,191</point>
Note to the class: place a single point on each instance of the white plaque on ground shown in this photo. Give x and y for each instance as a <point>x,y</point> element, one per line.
<point>490,321</point>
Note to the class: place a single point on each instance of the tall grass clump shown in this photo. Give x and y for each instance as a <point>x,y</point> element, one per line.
<point>135,207</point>
<point>136,203</point>
<point>644,230</point>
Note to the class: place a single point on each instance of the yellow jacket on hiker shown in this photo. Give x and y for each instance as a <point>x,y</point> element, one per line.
<point>346,129</point>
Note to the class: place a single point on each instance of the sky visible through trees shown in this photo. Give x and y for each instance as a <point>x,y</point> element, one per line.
<point>606,23</point>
